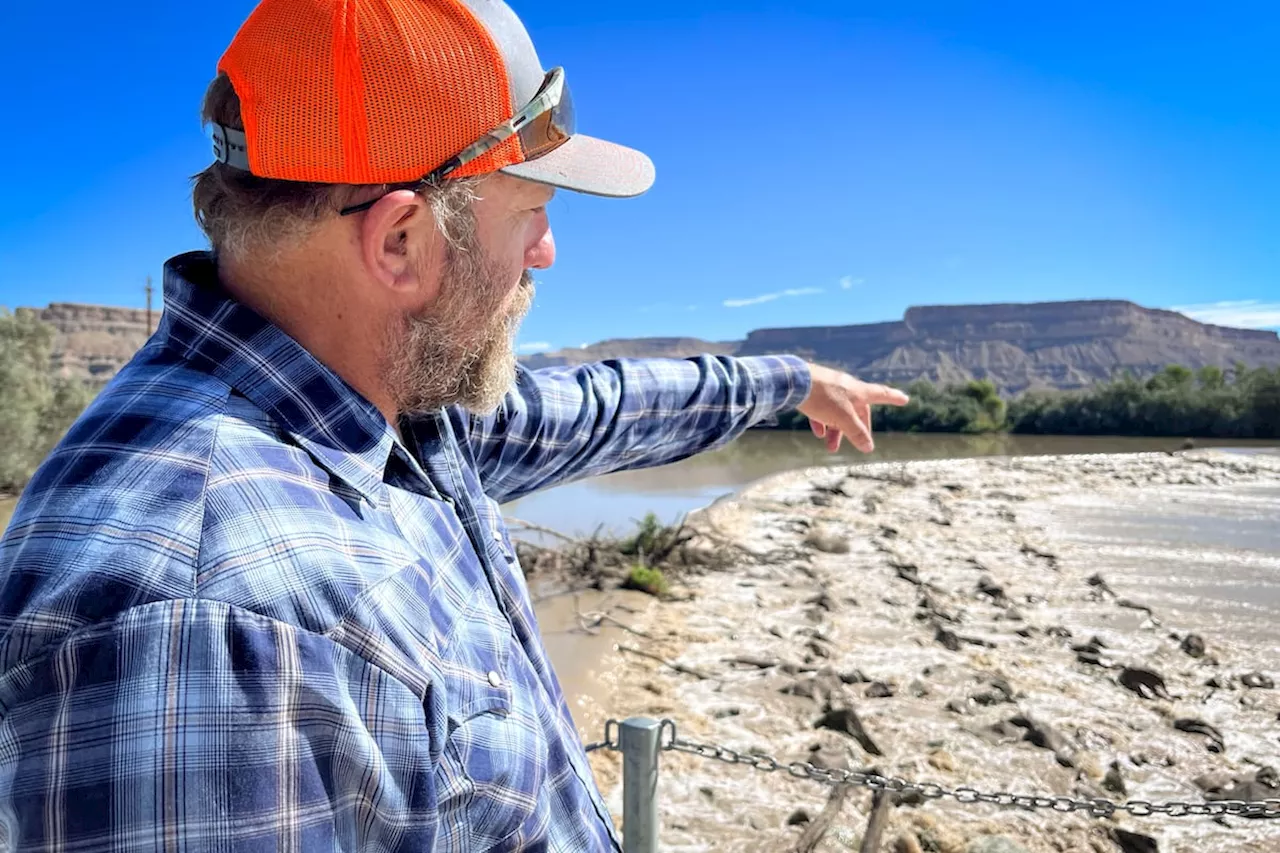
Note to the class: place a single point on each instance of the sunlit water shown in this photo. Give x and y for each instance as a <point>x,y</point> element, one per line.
<point>673,490</point>
<point>1208,558</point>
<point>1207,561</point>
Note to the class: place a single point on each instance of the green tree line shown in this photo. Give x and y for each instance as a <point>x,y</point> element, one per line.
<point>1176,402</point>
<point>36,406</point>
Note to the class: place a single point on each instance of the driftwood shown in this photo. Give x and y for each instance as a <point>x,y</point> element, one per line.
<point>881,802</point>
<point>538,528</point>
<point>591,621</point>
<point>678,667</point>
<point>605,617</point>
<point>817,829</point>
<point>607,560</point>
<point>758,663</point>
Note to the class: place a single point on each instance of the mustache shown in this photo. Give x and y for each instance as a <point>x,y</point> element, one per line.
<point>522,303</point>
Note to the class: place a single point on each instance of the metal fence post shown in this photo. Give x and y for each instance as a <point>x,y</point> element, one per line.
<point>638,738</point>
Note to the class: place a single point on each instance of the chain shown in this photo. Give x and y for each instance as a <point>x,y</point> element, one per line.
<point>610,737</point>
<point>1094,807</point>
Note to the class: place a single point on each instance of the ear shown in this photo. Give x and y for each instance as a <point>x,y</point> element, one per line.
<point>399,244</point>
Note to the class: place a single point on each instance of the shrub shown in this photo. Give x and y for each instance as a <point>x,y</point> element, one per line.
<point>646,579</point>
<point>36,407</point>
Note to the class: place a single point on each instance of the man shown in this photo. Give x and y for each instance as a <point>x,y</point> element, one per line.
<point>261,596</point>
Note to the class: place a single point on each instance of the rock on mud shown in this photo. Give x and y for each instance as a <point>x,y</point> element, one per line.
<point>1258,680</point>
<point>1193,645</point>
<point>1200,727</point>
<point>827,542</point>
<point>1147,683</point>
<point>1133,842</point>
<point>846,721</point>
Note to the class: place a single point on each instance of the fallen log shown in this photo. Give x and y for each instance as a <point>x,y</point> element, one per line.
<point>678,667</point>
<point>817,829</point>
<point>880,805</point>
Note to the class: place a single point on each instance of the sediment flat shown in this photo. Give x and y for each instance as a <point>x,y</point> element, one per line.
<point>951,626</point>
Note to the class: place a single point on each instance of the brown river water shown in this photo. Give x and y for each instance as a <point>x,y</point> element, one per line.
<point>1136,550</point>
<point>1147,533</point>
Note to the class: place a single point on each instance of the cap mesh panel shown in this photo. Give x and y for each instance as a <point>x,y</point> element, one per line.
<point>367,91</point>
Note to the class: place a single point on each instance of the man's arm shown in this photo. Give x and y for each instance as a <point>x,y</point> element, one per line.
<point>562,424</point>
<point>191,726</point>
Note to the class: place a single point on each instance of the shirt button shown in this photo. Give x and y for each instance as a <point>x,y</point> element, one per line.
<point>497,535</point>
<point>495,680</point>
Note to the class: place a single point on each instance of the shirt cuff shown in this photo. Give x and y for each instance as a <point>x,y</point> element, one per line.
<point>781,382</point>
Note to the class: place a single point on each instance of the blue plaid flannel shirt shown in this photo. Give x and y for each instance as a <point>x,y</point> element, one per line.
<point>238,613</point>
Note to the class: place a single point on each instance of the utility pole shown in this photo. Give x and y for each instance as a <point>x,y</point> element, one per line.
<point>148,306</point>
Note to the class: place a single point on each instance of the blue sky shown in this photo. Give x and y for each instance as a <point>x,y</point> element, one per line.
<point>818,162</point>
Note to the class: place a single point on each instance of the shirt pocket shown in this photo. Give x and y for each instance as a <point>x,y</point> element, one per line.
<point>495,747</point>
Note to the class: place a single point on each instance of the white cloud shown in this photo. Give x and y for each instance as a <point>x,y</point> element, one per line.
<point>754,300</point>
<point>849,281</point>
<point>534,346</point>
<point>769,297</point>
<point>1243,314</point>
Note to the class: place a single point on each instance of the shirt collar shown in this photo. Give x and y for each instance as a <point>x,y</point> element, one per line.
<point>343,431</point>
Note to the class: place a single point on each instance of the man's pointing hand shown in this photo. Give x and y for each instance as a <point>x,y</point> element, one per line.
<point>839,405</point>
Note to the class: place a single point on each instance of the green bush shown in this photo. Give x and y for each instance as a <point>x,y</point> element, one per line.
<point>974,408</point>
<point>1174,402</point>
<point>646,579</point>
<point>36,407</point>
<point>646,539</point>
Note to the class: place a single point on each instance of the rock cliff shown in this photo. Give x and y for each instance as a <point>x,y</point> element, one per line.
<point>632,348</point>
<point>95,341</point>
<point>1050,344</point>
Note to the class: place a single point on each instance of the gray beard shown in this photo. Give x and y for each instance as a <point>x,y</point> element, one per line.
<point>463,352</point>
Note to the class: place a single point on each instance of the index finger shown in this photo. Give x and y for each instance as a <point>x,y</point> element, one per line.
<point>883,395</point>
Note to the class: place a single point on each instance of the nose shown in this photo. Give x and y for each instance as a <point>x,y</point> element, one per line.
<point>542,254</point>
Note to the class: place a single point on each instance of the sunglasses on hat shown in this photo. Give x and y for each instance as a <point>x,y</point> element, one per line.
<point>543,124</point>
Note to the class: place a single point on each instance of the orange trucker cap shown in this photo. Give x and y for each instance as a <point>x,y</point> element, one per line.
<point>385,91</point>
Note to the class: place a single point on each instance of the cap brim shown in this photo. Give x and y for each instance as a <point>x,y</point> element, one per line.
<point>585,164</point>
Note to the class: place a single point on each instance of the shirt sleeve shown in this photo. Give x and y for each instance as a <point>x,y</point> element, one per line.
<point>563,424</point>
<point>192,726</point>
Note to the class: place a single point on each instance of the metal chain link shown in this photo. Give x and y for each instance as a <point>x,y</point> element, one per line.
<point>610,737</point>
<point>1094,807</point>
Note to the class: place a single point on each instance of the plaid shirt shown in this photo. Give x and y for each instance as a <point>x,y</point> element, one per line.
<point>238,613</point>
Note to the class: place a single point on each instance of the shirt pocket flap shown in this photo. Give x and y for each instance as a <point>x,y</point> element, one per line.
<point>477,691</point>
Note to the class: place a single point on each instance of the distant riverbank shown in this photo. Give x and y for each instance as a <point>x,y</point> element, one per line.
<point>989,621</point>
<point>1176,402</point>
